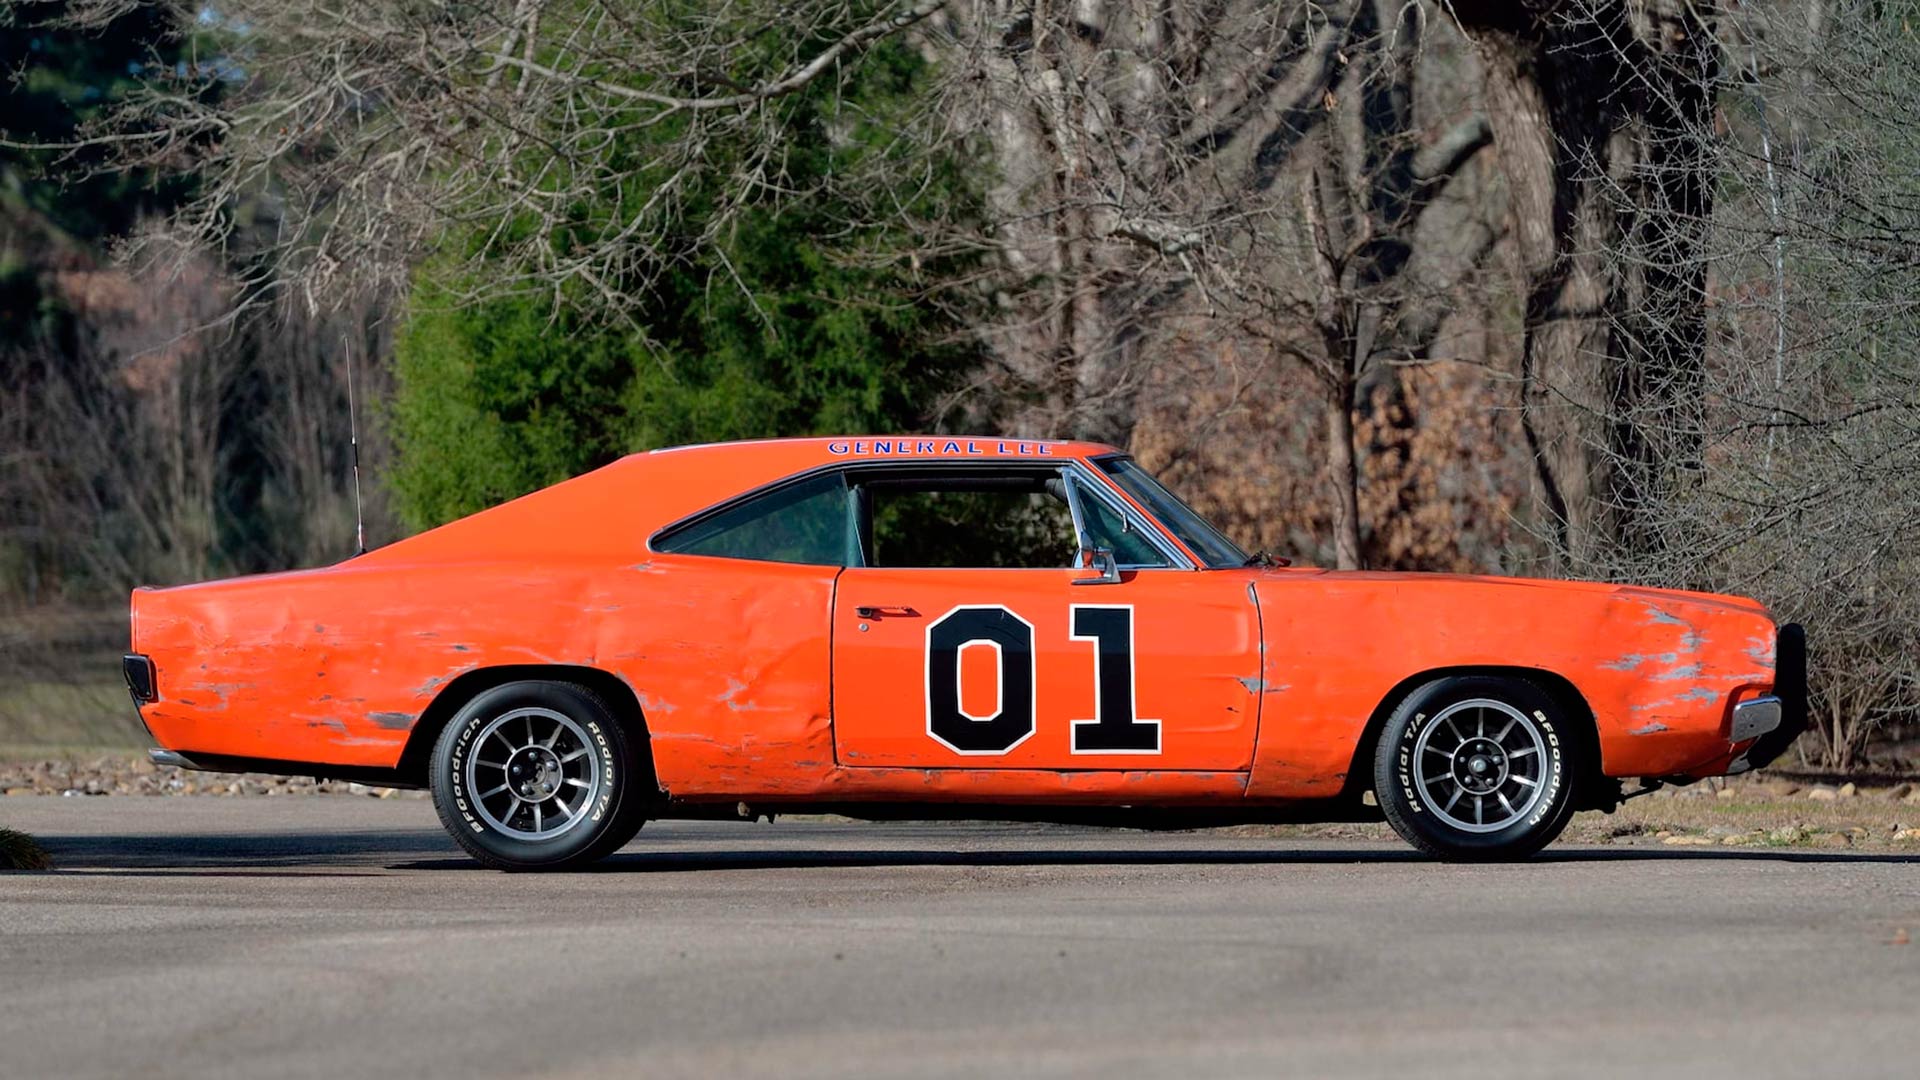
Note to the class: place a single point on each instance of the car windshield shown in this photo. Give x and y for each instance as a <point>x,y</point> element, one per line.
<point>1215,550</point>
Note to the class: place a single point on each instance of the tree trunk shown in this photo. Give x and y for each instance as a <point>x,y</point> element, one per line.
<point>1602,117</point>
<point>1534,102</point>
<point>1344,472</point>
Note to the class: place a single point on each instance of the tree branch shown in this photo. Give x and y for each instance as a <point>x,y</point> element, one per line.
<point>1445,155</point>
<point>786,84</point>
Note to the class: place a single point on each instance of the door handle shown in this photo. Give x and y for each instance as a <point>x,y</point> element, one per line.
<point>881,611</point>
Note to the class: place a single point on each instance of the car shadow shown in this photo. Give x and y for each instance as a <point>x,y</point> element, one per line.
<point>282,853</point>
<point>1630,853</point>
<point>293,854</point>
<point>635,862</point>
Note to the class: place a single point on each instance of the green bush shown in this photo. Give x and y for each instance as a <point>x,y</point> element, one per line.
<point>783,324</point>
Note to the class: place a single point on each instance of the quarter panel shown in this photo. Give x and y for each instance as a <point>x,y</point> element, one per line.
<point>729,660</point>
<point>335,666</point>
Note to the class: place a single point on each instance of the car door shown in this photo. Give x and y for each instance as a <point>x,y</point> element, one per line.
<point>991,658</point>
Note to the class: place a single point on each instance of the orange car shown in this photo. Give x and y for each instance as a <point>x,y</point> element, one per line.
<point>924,626</point>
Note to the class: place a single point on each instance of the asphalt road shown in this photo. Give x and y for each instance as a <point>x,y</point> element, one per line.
<point>310,936</point>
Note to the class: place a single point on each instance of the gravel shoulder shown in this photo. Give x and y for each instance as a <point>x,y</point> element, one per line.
<point>88,773</point>
<point>1754,811</point>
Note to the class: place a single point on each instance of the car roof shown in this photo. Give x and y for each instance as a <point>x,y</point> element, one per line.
<point>613,510</point>
<point>805,453</point>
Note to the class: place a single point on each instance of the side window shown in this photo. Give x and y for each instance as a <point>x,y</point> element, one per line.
<point>807,522</point>
<point>1011,520</point>
<point>1107,528</point>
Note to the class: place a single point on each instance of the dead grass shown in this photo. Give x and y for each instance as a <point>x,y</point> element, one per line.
<point>1752,817</point>
<point>60,679</point>
<point>19,852</point>
<point>51,713</point>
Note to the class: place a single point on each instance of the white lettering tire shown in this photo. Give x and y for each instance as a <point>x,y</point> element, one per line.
<point>1480,767</point>
<point>538,775</point>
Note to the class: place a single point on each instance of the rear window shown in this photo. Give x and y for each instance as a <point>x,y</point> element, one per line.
<point>806,522</point>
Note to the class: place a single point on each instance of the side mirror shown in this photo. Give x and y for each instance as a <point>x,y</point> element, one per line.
<point>1099,559</point>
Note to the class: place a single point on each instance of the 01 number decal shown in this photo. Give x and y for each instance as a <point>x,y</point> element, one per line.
<point>1011,637</point>
<point>1113,729</point>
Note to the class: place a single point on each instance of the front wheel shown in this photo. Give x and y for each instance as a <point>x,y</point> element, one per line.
<point>1478,767</point>
<point>538,775</point>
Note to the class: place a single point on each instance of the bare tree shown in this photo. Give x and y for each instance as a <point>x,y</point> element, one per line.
<point>1602,112</point>
<point>166,442</point>
<point>116,446</point>
<point>304,366</point>
<point>544,145</point>
<point>1252,171</point>
<point>1214,171</point>
<point>1809,489</point>
<point>1721,326</point>
<point>1233,169</point>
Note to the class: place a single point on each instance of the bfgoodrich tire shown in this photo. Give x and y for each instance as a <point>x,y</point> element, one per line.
<point>539,776</point>
<point>1479,767</point>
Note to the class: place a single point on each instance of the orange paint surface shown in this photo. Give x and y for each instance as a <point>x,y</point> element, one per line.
<point>757,682</point>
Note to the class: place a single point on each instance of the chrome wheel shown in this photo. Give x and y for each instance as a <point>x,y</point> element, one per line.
<point>533,774</point>
<point>1480,763</point>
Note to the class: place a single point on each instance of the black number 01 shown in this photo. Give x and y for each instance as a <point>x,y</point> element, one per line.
<point>1113,729</point>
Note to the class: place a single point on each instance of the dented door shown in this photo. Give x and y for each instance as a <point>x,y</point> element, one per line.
<point>1023,669</point>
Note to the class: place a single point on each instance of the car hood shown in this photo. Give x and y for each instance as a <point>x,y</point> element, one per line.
<point>1495,581</point>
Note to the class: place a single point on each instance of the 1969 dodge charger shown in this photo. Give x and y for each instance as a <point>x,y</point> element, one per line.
<point>942,627</point>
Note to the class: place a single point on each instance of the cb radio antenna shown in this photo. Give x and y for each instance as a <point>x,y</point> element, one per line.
<point>353,440</point>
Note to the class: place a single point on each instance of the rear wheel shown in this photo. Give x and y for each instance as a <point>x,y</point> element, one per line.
<point>539,775</point>
<point>1479,767</point>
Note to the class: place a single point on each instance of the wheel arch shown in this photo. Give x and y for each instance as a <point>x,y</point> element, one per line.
<point>611,688</point>
<point>1360,770</point>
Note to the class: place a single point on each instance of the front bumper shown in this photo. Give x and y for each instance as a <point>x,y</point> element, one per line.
<point>173,758</point>
<point>1774,721</point>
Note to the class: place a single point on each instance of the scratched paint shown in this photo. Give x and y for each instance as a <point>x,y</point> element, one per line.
<point>1345,640</point>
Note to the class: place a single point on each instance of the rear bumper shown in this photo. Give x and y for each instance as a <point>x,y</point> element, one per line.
<point>142,684</point>
<point>1775,721</point>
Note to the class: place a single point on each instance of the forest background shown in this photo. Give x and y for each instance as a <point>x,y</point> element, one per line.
<point>1615,289</point>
